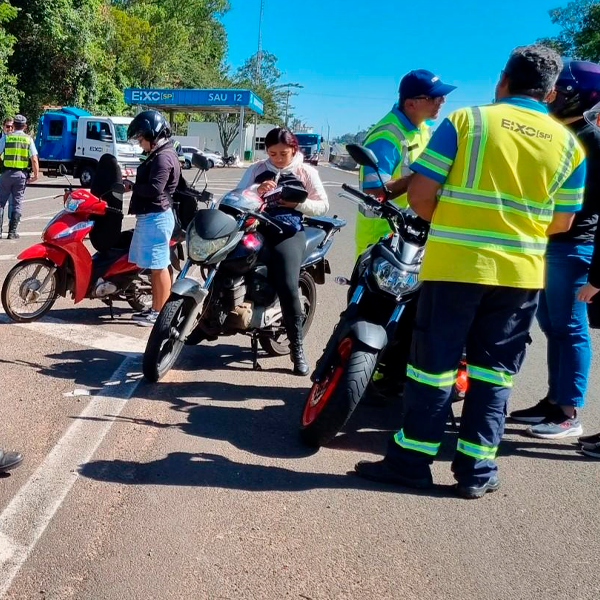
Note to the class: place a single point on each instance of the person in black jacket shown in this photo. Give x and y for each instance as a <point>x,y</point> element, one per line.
<point>156,180</point>
<point>572,272</point>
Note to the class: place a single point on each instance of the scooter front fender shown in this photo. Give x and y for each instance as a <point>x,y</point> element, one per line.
<point>54,255</point>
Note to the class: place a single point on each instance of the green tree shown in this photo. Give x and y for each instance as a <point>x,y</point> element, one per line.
<point>61,56</point>
<point>9,98</point>
<point>84,52</point>
<point>184,40</point>
<point>579,36</point>
<point>264,83</point>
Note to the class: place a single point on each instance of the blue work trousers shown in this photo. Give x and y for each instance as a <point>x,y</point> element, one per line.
<point>492,324</point>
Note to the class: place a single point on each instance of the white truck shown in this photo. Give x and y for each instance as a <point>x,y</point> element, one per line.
<point>76,139</point>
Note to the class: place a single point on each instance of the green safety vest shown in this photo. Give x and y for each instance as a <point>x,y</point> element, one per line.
<point>409,144</point>
<point>16,151</point>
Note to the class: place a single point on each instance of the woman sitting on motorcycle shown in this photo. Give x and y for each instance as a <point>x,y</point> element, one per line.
<point>156,180</point>
<point>286,164</point>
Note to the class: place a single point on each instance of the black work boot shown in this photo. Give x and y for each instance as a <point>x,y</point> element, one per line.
<point>12,226</point>
<point>294,331</point>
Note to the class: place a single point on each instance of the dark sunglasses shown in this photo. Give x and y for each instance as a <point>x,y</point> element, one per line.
<point>429,98</point>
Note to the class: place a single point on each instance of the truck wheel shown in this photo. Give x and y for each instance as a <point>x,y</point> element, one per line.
<point>86,175</point>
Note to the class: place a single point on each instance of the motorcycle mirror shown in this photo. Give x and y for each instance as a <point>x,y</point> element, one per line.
<point>363,156</point>
<point>592,116</point>
<point>200,161</point>
<point>62,169</point>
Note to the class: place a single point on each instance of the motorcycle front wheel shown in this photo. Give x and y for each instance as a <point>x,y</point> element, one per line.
<point>30,290</point>
<point>164,344</point>
<point>331,401</point>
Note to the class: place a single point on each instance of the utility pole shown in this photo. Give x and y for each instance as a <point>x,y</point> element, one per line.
<point>259,49</point>
<point>287,97</point>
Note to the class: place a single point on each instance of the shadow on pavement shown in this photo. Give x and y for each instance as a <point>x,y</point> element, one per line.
<point>87,368</point>
<point>212,470</point>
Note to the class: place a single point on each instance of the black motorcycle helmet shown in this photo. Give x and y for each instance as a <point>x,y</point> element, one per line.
<point>577,89</point>
<point>151,125</point>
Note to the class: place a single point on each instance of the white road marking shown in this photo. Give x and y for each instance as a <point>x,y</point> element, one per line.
<point>8,256</point>
<point>47,216</point>
<point>27,234</point>
<point>83,335</point>
<point>25,519</point>
<point>44,217</point>
<point>41,198</point>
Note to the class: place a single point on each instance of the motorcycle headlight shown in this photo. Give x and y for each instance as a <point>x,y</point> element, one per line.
<point>200,249</point>
<point>393,280</point>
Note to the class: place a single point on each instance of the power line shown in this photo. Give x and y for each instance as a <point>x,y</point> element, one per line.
<point>381,98</point>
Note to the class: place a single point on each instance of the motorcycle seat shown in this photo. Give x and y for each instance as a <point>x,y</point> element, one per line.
<point>124,240</point>
<point>314,236</point>
<point>326,223</point>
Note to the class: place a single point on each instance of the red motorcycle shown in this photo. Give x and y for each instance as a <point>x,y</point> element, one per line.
<point>62,263</point>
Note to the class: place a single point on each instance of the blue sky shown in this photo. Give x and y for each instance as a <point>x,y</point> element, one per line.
<point>351,54</point>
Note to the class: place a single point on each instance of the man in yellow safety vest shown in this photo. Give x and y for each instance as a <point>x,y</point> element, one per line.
<point>397,140</point>
<point>18,150</point>
<point>494,181</point>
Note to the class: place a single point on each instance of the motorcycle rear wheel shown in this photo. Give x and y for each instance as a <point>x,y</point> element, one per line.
<point>164,344</point>
<point>331,402</point>
<point>15,291</point>
<point>280,346</point>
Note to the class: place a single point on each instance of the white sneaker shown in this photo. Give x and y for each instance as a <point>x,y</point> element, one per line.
<point>146,318</point>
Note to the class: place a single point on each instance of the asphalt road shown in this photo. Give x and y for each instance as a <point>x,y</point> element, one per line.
<point>197,487</point>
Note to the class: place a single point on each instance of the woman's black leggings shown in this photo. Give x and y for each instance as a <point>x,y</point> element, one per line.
<point>284,271</point>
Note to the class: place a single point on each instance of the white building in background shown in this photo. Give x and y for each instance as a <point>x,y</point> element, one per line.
<point>205,136</point>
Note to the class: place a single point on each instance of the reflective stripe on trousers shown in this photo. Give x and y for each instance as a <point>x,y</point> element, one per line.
<point>428,448</point>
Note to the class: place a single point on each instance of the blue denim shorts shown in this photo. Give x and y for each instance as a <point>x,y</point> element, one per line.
<point>150,243</point>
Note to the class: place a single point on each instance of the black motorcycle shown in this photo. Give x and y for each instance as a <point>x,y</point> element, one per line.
<point>233,294</point>
<point>384,282</point>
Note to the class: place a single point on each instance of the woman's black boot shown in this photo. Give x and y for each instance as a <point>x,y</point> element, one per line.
<point>294,331</point>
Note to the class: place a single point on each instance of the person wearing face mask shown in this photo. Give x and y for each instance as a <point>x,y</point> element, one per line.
<point>286,164</point>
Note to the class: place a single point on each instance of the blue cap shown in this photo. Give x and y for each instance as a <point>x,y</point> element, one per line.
<point>423,83</point>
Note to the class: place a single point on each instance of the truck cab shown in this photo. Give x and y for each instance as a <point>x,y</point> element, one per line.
<point>75,138</point>
<point>310,146</point>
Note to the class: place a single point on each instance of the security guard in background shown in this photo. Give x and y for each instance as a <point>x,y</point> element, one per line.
<point>483,267</point>
<point>397,140</point>
<point>8,126</point>
<point>18,150</point>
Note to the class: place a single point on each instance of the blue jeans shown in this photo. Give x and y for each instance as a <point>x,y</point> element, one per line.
<point>563,320</point>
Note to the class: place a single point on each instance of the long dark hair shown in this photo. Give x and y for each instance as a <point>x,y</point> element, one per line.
<point>280,135</point>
